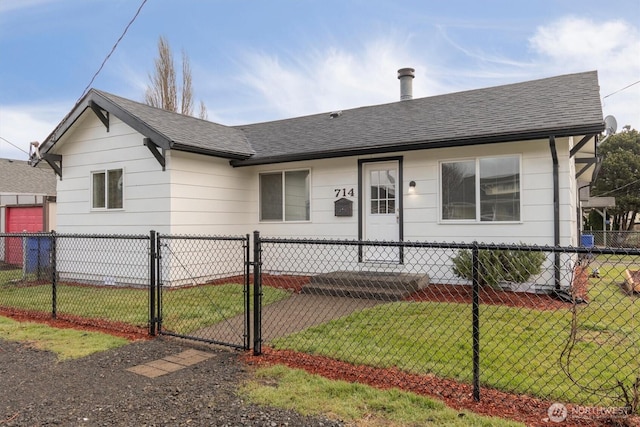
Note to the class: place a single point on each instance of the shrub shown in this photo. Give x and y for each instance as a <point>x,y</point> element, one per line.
<point>495,266</point>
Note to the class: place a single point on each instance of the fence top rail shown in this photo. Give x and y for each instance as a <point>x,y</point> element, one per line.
<point>453,245</point>
<point>197,237</point>
<point>26,234</point>
<point>103,236</point>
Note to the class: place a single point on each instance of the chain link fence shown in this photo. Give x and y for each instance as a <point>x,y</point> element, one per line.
<point>612,238</point>
<point>90,280</point>
<point>556,323</point>
<point>204,289</point>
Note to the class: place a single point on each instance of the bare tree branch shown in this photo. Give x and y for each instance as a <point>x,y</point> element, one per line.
<point>186,100</point>
<point>203,111</point>
<point>163,92</point>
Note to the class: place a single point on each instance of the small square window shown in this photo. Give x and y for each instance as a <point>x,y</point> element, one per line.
<point>107,189</point>
<point>284,196</point>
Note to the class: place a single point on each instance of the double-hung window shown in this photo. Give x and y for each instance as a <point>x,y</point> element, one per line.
<point>485,189</point>
<point>284,196</point>
<point>106,189</point>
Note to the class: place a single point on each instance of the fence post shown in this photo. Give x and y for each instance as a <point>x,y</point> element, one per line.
<point>152,282</point>
<point>54,275</point>
<point>247,293</point>
<point>476,321</point>
<point>257,294</point>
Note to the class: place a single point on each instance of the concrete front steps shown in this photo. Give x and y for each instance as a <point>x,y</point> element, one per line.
<point>374,285</point>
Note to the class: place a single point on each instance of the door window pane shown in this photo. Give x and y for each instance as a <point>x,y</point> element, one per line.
<point>383,191</point>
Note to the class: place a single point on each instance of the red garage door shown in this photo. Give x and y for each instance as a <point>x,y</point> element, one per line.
<point>20,219</point>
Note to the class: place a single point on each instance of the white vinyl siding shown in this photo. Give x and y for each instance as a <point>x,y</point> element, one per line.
<point>90,148</point>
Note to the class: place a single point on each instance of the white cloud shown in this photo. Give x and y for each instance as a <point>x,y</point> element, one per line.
<point>612,47</point>
<point>10,5</point>
<point>333,78</point>
<point>22,124</point>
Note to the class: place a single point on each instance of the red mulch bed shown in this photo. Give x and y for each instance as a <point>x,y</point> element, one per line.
<point>529,410</point>
<point>488,296</point>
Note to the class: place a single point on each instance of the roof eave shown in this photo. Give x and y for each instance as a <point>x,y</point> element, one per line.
<point>208,152</point>
<point>424,144</point>
<point>112,108</point>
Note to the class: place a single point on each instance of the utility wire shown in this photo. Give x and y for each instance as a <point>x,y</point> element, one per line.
<point>13,145</point>
<point>620,188</point>
<point>620,90</point>
<point>113,48</point>
<point>115,45</point>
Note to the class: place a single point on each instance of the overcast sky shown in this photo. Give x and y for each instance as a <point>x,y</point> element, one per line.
<point>263,60</point>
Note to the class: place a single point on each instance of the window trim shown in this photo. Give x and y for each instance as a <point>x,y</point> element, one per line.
<point>478,216</point>
<point>283,219</point>
<point>106,171</point>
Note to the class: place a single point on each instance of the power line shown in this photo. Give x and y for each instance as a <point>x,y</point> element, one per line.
<point>113,48</point>
<point>620,90</point>
<point>619,188</point>
<point>13,145</point>
<point>115,45</point>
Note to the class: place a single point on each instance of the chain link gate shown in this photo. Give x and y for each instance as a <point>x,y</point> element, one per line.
<point>200,289</point>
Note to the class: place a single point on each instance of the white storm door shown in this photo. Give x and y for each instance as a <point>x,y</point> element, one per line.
<point>381,209</point>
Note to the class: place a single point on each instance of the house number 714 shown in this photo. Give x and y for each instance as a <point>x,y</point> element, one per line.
<point>343,192</point>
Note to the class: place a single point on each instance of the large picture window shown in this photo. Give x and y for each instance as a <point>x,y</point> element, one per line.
<point>485,189</point>
<point>284,196</point>
<point>106,189</point>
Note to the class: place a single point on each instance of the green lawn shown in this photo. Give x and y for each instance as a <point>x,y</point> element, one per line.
<point>520,348</point>
<point>184,310</point>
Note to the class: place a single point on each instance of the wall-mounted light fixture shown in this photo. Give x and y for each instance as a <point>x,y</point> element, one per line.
<point>412,186</point>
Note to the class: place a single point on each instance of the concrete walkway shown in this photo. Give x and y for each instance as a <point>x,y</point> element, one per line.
<point>287,316</point>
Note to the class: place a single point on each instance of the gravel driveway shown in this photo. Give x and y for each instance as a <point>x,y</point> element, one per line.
<point>37,390</point>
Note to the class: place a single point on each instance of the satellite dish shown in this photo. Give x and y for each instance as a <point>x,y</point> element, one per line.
<point>610,125</point>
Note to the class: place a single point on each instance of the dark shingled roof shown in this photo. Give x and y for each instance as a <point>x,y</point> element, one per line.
<point>567,105</point>
<point>560,106</point>
<point>184,131</point>
<point>18,177</point>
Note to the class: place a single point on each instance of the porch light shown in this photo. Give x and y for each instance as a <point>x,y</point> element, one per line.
<point>412,186</point>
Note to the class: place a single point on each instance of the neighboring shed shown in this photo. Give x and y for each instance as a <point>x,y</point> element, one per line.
<point>27,203</point>
<point>27,196</point>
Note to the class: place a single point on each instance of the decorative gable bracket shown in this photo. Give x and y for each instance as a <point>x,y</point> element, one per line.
<point>55,161</point>
<point>584,163</point>
<point>100,113</point>
<point>153,147</point>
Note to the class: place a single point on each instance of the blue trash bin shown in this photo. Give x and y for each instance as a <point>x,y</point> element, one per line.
<point>586,241</point>
<point>38,254</point>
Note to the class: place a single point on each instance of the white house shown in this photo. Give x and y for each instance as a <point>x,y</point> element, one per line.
<point>500,164</point>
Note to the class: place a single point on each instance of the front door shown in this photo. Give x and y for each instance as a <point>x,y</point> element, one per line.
<point>381,209</point>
